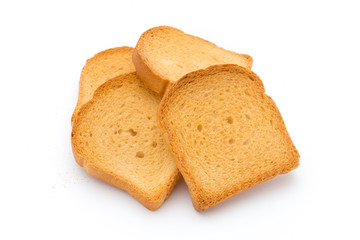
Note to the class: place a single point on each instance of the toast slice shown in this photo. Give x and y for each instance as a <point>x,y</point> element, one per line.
<point>103,66</point>
<point>164,54</point>
<point>116,139</point>
<point>225,133</point>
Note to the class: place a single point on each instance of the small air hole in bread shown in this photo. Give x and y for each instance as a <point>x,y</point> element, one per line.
<point>140,154</point>
<point>149,117</point>
<point>231,141</point>
<point>247,116</point>
<point>132,132</point>
<point>154,144</point>
<point>230,120</point>
<point>252,78</point>
<point>114,88</point>
<point>246,142</point>
<point>199,127</point>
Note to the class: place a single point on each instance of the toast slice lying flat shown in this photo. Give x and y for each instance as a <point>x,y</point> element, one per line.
<point>164,54</point>
<point>103,66</point>
<point>225,133</point>
<point>116,139</point>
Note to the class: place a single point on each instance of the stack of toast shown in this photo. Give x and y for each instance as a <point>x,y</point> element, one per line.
<point>178,105</point>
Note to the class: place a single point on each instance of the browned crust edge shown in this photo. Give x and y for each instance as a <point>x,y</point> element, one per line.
<point>91,61</point>
<point>153,80</point>
<point>200,201</point>
<point>118,181</point>
<point>149,78</point>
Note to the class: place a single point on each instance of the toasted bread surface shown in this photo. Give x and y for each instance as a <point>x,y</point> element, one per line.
<point>103,66</point>
<point>116,139</point>
<point>225,133</point>
<point>164,54</point>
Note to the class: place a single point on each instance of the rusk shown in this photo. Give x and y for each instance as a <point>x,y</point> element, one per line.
<point>225,133</point>
<point>116,139</point>
<point>164,54</point>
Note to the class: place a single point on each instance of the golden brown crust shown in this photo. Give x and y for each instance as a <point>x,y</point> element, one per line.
<point>249,60</point>
<point>97,59</point>
<point>155,80</point>
<point>150,79</point>
<point>152,202</point>
<point>202,200</point>
<point>123,184</point>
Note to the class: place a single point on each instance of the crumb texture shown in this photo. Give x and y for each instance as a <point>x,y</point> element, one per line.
<point>117,137</point>
<point>226,134</point>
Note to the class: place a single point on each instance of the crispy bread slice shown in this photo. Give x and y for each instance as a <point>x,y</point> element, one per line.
<point>225,133</point>
<point>116,139</point>
<point>103,66</point>
<point>164,54</point>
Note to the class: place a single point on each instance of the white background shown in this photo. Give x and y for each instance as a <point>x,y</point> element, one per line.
<point>308,56</point>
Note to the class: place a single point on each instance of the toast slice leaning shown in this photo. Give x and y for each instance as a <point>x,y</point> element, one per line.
<point>164,54</point>
<point>103,66</point>
<point>116,139</point>
<point>225,133</point>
